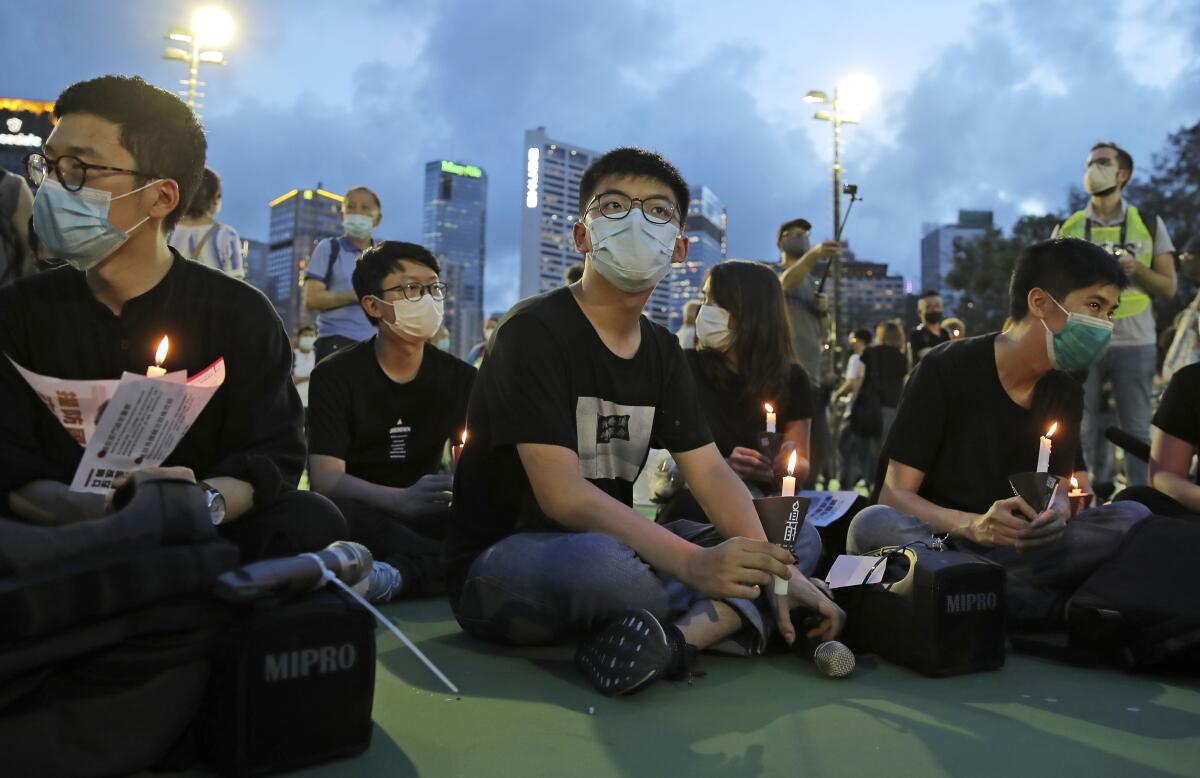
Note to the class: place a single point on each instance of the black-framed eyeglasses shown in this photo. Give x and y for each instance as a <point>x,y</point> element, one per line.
<point>414,291</point>
<point>71,172</point>
<point>617,205</point>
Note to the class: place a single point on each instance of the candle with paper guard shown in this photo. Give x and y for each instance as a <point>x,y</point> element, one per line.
<point>1077,497</point>
<point>160,356</point>
<point>456,451</point>
<point>1043,463</point>
<point>770,409</point>
<point>789,481</point>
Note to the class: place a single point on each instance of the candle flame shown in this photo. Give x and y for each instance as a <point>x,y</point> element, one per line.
<point>464,437</point>
<point>160,356</point>
<point>1074,483</point>
<point>770,408</point>
<point>792,463</point>
<point>1050,432</point>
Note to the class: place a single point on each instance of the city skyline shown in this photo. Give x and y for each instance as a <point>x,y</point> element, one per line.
<point>985,107</point>
<point>455,231</point>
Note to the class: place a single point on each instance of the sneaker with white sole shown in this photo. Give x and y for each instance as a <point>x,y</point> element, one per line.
<point>633,650</point>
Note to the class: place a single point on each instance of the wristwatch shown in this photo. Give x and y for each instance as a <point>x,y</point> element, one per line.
<point>216,503</point>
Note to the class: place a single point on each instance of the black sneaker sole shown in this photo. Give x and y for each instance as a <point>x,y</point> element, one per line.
<point>625,655</point>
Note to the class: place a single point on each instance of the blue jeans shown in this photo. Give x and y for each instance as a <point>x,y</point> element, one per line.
<point>1130,369</point>
<point>1038,579</point>
<point>541,587</point>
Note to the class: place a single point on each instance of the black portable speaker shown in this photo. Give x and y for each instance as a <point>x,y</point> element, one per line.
<point>945,616</point>
<point>292,685</point>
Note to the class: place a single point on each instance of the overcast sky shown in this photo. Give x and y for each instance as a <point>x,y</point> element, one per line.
<point>982,105</point>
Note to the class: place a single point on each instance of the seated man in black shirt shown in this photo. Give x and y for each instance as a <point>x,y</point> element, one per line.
<point>578,386</point>
<point>972,415</point>
<point>381,413</point>
<point>114,178</point>
<point>1174,442</point>
<point>929,333</point>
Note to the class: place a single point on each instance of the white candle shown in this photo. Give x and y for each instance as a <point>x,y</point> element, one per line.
<point>770,417</point>
<point>789,481</point>
<point>160,356</point>
<point>1043,463</point>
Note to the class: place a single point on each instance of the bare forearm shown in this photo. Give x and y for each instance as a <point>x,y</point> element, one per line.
<point>1178,488</point>
<point>51,502</point>
<point>343,486</point>
<point>912,504</point>
<point>238,494</point>
<point>1158,279</point>
<point>324,300</point>
<point>726,500</point>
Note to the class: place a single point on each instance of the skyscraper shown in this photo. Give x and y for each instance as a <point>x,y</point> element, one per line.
<point>254,258</point>
<point>705,232</point>
<point>870,295</point>
<point>937,252</point>
<point>553,170</point>
<point>299,219</point>
<point>455,222</point>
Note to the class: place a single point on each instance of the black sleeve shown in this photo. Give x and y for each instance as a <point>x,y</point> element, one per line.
<point>679,423</point>
<point>917,432</point>
<point>330,411</point>
<point>464,383</point>
<point>1178,414</point>
<point>528,387</point>
<point>799,406</point>
<point>262,432</point>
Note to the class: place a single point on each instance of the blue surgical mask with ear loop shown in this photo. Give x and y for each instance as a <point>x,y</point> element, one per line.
<point>74,226</point>
<point>1081,344</point>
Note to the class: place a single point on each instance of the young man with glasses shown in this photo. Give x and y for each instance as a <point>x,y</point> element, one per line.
<point>113,179</point>
<point>380,414</point>
<point>579,384</point>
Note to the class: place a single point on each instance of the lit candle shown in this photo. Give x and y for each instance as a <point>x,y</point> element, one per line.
<point>1077,497</point>
<point>1043,463</point>
<point>789,481</point>
<point>160,356</point>
<point>770,416</point>
<point>456,451</point>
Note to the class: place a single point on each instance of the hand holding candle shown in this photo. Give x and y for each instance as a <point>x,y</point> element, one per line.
<point>1043,463</point>
<point>156,370</point>
<point>770,416</point>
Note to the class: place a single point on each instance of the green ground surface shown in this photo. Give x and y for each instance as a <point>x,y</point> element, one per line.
<point>527,713</point>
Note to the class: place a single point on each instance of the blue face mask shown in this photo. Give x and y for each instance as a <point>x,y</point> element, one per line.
<point>1081,344</point>
<point>357,225</point>
<point>74,226</point>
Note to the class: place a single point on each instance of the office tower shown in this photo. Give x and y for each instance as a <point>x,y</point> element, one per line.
<point>300,218</point>
<point>705,231</point>
<point>937,252</point>
<point>454,228</point>
<point>553,170</point>
<point>870,295</point>
<point>24,126</point>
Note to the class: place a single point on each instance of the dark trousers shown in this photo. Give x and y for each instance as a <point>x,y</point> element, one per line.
<point>416,547</point>
<point>331,344</point>
<point>294,523</point>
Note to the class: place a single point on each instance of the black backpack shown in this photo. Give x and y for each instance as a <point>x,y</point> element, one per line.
<point>106,627</point>
<point>1141,608</point>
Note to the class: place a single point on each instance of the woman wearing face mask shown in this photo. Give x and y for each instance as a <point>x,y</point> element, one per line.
<point>745,359</point>
<point>201,238</point>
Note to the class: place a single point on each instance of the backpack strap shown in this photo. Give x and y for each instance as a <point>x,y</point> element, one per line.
<point>204,239</point>
<point>335,248</point>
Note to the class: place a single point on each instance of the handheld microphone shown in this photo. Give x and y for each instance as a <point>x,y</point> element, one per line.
<point>833,658</point>
<point>350,562</point>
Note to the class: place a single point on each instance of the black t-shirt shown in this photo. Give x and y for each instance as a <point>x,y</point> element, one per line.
<point>737,419</point>
<point>957,424</point>
<point>387,433</point>
<point>549,379</point>
<point>922,338</point>
<point>1178,413</point>
<point>884,371</point>
<point>51,324</point>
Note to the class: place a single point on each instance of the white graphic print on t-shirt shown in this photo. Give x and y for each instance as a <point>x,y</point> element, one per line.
<point>613,439</point>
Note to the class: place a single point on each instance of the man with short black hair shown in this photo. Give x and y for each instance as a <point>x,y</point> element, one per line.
<point>972,415</point>
<point>1144,249</point>
<point>328,289</point>
<point>381,412</point>
<point>113,178</point>
<point>579,385</point>
<point>929,333</point>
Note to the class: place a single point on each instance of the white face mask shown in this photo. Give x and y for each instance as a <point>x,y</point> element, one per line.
<point>631,253</point>
<point>1099,178</point>
<point>307,342</point>
<point>417,321</point>
<point>712,328</point>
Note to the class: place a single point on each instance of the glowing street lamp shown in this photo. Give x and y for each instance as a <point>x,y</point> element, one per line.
<point>854,94</point>
<point>210,28</point>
